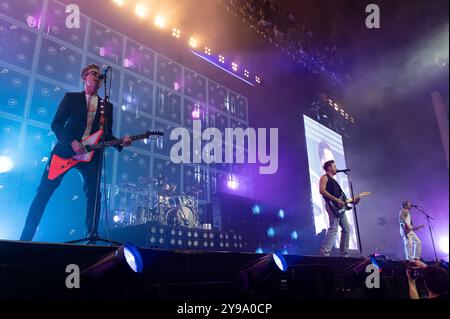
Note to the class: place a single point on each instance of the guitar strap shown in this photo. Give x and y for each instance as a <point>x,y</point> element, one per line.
<point>102,115</point>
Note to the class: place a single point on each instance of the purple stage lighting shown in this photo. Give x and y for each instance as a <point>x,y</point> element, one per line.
<point>127,63</point>
<point>102,52</point>
<point>271,232</point>
<point>31,21</point>
<point>232,182</point>
<point>443,245</point>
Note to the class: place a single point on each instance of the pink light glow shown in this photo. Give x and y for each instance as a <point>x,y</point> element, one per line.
<point>127,63</point>
<point>196,113</point>
<point>31,21</point>
<point>102,51</point>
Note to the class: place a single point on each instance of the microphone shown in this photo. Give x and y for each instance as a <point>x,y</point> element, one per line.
<point>103,75</point>
<point>343,170</point>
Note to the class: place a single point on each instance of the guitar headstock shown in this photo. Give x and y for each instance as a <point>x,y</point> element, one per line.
<point>364,194</point>
<point>153,133</point>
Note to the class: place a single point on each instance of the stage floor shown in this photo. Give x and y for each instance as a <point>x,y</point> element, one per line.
<point>50,270</point>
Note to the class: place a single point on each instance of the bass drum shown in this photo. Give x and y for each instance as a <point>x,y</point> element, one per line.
<point>181,216</point>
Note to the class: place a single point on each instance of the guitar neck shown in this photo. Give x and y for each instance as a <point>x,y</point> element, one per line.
<point>113,142</point>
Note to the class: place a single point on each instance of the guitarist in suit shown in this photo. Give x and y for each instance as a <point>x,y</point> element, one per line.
<point>331,191</point>
<point>412,243</point>
<point>77,117</point>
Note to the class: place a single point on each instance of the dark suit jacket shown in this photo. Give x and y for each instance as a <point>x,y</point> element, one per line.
<point>71,119</point>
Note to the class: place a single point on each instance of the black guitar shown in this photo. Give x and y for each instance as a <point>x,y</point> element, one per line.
<point>348,203</point>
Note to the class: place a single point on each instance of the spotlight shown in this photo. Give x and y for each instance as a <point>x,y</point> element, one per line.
<point>246,73</point>
<point>270,232</point>
<point>261,271</point>
<point>234,66</point>
<point>160,22</point>
<point>258,79</point>
<point>207,51</point>
<point>126,258</point>
<point>280,261</point>
<point>221,59</point>
<point>6,164</point>
<point>281,214</point>
<point>443,245</point>
<point>232,182</point>
<point>193,42</point>
<point>176,33</point>
<point>116,218</point>
<point>294,235</point>
<point>140,10</point>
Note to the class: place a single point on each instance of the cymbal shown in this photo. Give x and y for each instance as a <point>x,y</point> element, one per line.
<point>126,185</point>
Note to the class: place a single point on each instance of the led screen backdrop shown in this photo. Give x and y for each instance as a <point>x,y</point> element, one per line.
<point>323,145</point>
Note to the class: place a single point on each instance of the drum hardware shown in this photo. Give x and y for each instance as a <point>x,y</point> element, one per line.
<point>136,205</point>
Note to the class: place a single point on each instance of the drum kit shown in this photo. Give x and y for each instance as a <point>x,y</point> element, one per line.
<point>158,202</point>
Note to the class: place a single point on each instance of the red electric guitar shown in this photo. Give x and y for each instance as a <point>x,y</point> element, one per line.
<point>61,165</point>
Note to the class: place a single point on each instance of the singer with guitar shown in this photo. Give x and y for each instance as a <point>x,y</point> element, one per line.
<point>335,204</point>
<point>79,114</point>
<point>412,243</point>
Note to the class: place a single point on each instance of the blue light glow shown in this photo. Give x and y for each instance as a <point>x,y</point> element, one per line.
<point>280,261</point>
<point>270,232</point>
<point>133,258</point>
<point>256,209</point>
<point>6,164</point>
<point>294,235</point>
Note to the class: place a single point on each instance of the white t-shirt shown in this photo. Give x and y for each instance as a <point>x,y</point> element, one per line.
<point>92,103</point>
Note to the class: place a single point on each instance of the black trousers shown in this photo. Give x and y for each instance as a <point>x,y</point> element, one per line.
<point>88,172</point>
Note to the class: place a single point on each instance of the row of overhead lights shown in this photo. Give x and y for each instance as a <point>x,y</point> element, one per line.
<point>333,104</point>
<point>160,21</point>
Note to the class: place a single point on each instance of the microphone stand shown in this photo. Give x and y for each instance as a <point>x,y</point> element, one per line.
<point>356,215</point>
<point>93,236</point>
<point>429,227</point>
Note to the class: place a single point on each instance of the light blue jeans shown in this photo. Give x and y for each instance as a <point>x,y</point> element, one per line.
<point>330,238</point>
